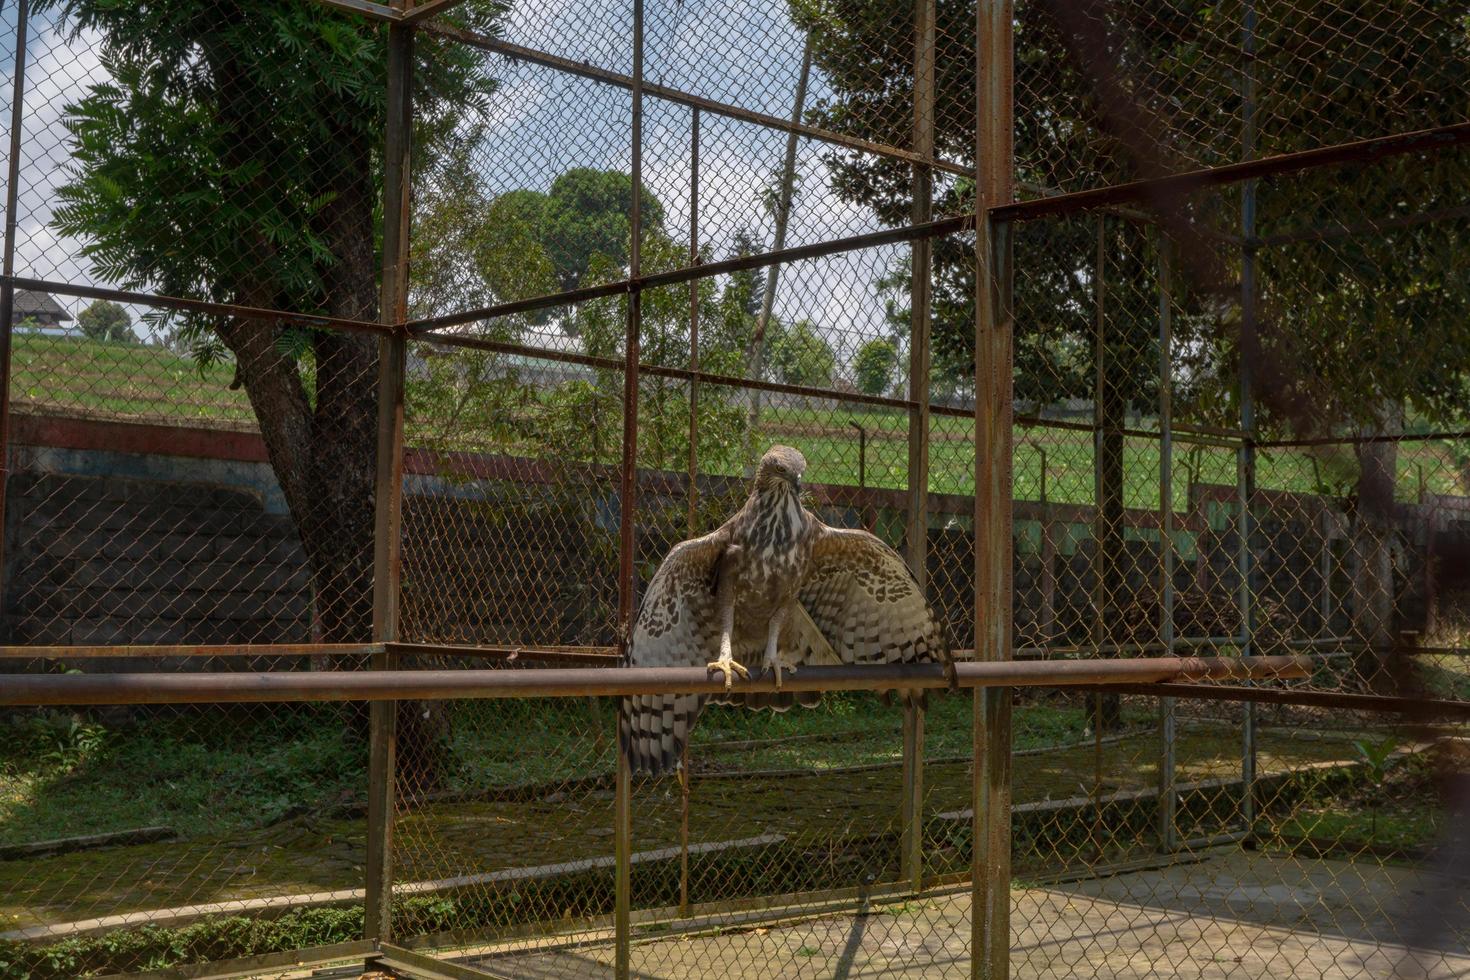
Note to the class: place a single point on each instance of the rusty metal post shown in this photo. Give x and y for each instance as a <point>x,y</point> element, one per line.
<point>628,513</point>
<point>693,323</point>
<point>994,383</point>
<point>1246,455</point>
<point>693,529</point>
<point>388,510</point>
<point>1168,798</point>
<point>917,534</point>
<point>1099,594</point>
<point>7,287</point>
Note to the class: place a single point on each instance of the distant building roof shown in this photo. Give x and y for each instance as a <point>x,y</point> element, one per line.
<point>39,305</point>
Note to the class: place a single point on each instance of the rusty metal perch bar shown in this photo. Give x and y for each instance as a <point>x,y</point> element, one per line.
<point>431,685</point>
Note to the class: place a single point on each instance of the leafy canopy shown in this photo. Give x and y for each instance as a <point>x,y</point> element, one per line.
<point>876,365</point>
<point>207,164</point>
<point>106,320</point>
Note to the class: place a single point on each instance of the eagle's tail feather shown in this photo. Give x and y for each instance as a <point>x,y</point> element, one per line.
<point>781,701</point>
<point>654,728</point>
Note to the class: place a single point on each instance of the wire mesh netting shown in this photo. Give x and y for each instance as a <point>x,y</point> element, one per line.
<point>1239,430</point>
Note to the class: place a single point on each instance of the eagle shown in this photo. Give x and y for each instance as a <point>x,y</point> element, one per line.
<point>772,582</point>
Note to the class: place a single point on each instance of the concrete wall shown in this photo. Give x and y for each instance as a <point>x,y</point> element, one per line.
<point>127,534</point>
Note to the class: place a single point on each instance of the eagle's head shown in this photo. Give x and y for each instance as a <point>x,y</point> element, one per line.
<point>780,469</point>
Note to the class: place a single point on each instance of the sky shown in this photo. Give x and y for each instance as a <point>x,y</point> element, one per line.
<point>745,52</point>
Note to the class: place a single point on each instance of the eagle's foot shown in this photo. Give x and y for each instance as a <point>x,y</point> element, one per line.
<point>776,666</point>
<point>729,668</point>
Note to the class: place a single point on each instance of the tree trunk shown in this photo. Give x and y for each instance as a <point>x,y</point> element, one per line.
<point>1373,536</point>
<point>1112,576</point>
<point>322,446</point>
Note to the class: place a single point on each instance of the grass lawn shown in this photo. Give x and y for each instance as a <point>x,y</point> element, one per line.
<point>217,771</point>
<point>152,384</point>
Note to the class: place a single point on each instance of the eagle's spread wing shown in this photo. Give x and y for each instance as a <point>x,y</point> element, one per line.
<point>678,625</point>
<point>865,601</point>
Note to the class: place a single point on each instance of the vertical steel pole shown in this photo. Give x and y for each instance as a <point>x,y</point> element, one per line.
<point>1168,834</point>
<point>921,260</point>
<point>7,290</point>
<point>1246,455</point>
<point>1099,594</point>
<point>991,870</point>
<point>623,792</point>
<point>388,509</point>
<point>693,322</point>
<point>684,776</point>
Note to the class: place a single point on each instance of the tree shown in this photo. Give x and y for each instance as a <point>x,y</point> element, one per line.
<point>234,154</point>
<point>471,252</point>
<point>799,355</point>
<point>663,405</point>
<point>877,360</point>
<point>106,320</point>
<point>586,214</point>
<point>1339,349</point>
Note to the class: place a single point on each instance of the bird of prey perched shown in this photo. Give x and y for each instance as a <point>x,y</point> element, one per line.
<point>775,582</point>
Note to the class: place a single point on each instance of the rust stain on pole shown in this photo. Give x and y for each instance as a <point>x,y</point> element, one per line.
<point>991,871</point>
<point>1168,798</point>
<point>7,288</point>
<point>387,521</point>
<point>693,324</point>
<point>623,789</point>
<point>917,532</point>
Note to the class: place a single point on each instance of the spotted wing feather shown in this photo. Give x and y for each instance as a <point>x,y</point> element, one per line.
<point>677,626</point>
<point>864,599</point>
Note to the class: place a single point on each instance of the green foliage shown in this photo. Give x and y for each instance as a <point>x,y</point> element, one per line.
<point>62,741</point>
<point>106,320</point>
<point>798,355</point>
<point>470,251</point>
<point>663,404</point>
<point>155,948</point>
<point>586,215</point>
<point>219,772</point>
<point>1368,318</point>
<point>875,366</point>
<point>234,157</point>
<point>1378,756</point>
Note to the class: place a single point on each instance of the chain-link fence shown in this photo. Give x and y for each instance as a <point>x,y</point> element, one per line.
<point>346,337</point>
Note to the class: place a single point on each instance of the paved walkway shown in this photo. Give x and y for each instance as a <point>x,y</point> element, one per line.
<point>1239,916</point>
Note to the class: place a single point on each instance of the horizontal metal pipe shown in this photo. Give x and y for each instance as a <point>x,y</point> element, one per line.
<point>377,11</point>
<point>689,99</point>
<point>705,270</point>
<point>1364,440</point>
<point>186,650</point>
<point>592,656</point>
<point>426,9</point>
<point>1339,232</point>
<point>1174,185</point>
<point>195,305</point>
<point>1195,434</point>
<point>440,685</point>
<point>1116,648</point>
<point>1292,695</point>
<point>659,370</point>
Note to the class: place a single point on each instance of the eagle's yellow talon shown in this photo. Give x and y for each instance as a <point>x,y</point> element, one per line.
<point>728,668</point>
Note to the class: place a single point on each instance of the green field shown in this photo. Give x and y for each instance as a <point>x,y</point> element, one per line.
<point>152,384</point>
